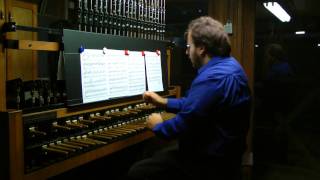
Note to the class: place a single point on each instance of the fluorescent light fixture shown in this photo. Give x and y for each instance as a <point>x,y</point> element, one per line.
<point>277,10</point>
<point>300,32</point>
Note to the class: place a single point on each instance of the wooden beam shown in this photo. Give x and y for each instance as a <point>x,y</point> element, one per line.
<point>169,55</point>
<point>38,45</point>
<point>16,146</point>
<point>3,71</point>
<point>32,45</point>
<point>65,112</point>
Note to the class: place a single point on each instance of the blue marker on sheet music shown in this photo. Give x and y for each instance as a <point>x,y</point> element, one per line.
<point>81,49</point>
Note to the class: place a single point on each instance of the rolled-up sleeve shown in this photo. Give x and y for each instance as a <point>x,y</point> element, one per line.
<point>175,105</point>
<point>170,128</point>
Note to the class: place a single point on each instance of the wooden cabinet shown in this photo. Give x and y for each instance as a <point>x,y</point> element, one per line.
<point>17,63</point>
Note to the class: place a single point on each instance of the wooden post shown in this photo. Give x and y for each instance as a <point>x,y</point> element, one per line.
<point>4,4</point>
<point>241,13</point>
<point>16,147</point>
<point>169,66</point>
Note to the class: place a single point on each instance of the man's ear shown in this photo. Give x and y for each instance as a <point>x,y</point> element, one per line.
<point>202,50</point>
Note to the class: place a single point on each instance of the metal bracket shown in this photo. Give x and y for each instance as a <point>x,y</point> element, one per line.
<point>9,27</point>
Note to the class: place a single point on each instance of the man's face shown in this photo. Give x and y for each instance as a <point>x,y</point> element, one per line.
<point>193,52</point>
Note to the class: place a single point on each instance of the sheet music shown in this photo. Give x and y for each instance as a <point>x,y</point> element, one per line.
<point>112,74</point>
<point>118,73</point>
<point>154,71</point>
<point>136,73</point>
<point>94,73</point>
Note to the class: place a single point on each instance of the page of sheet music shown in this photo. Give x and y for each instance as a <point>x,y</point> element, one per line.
<point>136,73</point>
<point>118,73</point>
<point>94,73</point>
<point>154,71</point>
<point>112,74</point>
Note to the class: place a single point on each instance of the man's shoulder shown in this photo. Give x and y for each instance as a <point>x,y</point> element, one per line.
<point>229,69</point>
<point>228,66</point>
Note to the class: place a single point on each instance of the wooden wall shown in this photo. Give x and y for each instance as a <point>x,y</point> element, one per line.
<point>22,63</point>
<point>242,15</point>
<point>3,76</point>
<point>15,63</point>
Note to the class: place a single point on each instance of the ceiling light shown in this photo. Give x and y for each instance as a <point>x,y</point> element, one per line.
<point>277,10</point>
<point>256,45</point>
<point>300,32</point>
<point>319,45</point>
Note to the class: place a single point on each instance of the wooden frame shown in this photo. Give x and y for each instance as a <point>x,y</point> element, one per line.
<point>84,158</point>
<point>32,45</point>
<point>16,153</point>
<point>16,157</point>
<point>16,145</point>
<point>11,35</point>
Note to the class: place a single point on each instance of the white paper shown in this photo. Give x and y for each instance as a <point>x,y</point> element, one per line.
<point>118,73</point>
<point>94,73</point>
<point>110,73</point>
<point>154,71</point>
<point>136,73</point>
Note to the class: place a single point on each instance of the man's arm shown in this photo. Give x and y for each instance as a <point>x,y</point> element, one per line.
<point>173,105</point>
<point>155,99</point>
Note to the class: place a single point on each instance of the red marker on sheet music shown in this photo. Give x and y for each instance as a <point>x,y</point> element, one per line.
<point>143,54</point>
<point>126,52</point>
<point>158,52</point>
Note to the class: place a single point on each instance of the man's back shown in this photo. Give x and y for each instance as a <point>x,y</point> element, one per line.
<point>220,99</point>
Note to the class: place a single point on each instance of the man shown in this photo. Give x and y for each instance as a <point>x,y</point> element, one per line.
<point>212,119</point>
<point>276,92</point>
<point>277,65</point>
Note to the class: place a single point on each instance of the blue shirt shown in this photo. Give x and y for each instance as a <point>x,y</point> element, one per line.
<point>279,71</point>
<point>212,119</point>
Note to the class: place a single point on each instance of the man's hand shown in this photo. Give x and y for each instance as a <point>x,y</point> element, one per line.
<point>155,99</point>
<point>153,120</point>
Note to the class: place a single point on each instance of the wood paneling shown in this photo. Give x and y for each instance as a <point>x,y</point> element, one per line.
<point>2,81</point>
<point>38,45</point>
<point>169,65</point>
<point>22,63</point>
<point>248,31</point>
<point>2,63</point>
<point>16,147</point>
<point>248,64</point>
<point>242,15</point>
